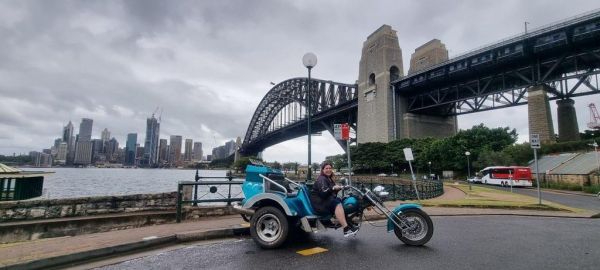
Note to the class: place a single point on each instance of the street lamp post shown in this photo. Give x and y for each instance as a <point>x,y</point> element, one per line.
<point>429,163</point>
<point>468,169</point>
<point>392,167</point>
<point>595,145</point>
<point>309,60</point>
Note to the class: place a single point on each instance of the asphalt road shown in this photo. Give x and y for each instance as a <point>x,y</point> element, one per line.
<point>474,242</point>
<point>582,201</point>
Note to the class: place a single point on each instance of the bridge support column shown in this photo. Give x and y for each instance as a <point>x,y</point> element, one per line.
<point>421,126</point>
<point>540,118</point>
<point>568,129</point>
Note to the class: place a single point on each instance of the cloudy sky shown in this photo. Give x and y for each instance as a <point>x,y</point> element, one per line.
<point>207,64</point>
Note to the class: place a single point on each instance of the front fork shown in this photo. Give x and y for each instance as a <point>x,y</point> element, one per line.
<point>391,215</point>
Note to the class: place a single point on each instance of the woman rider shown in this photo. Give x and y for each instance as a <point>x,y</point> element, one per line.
<point>324,200</point>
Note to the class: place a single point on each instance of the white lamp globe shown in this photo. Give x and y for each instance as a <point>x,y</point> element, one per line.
<point>309,60</point>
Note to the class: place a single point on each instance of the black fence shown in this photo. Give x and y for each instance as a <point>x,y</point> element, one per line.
<point>207,190</point>
<point>405,190</point>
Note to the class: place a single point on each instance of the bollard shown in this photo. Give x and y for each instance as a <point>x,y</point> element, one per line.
<point>179,191</point>
<point>229,194</point>
<point>196,188</point>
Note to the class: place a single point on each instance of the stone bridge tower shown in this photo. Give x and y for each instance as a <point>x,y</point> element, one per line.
<point>382,115</point>
<point>381,61</point>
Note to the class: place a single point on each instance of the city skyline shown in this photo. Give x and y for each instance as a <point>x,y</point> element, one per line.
<point>208,64</point>
<point>87,148</point>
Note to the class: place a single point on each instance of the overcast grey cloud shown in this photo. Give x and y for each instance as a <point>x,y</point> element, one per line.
<point>207,64</point>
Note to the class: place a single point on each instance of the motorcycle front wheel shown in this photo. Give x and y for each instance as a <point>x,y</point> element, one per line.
<point>420,230</point>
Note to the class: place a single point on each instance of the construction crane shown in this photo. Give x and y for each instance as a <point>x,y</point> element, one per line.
<point>594,117</point>
<point>159,113</point>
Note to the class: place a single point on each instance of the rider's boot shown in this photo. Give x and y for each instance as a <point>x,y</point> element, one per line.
<point>350,230</point>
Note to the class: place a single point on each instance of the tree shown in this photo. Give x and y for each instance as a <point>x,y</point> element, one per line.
<point>275,165</point>
<point>520,154</point>
<point>338,161</point>
<point>242,163</point>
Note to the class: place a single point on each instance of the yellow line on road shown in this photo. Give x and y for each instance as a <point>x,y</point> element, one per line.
<point>311,251</point>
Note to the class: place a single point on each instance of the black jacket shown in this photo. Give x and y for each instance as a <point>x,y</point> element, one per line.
<point>321,194</point>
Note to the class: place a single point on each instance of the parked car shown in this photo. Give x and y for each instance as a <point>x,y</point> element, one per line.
<point>474,180</point>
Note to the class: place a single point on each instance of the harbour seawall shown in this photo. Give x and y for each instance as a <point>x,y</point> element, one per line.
<point>36,219</point>
<point>87,206</point>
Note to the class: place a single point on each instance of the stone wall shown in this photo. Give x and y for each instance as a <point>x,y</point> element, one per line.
<point>577,179</point>
<point>57,208</point>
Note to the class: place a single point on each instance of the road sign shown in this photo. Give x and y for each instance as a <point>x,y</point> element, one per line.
<point>345,131</point>
<point>341,131</point>
<point>408,155</point>
<point>534,140</point>
<point>337,131</point>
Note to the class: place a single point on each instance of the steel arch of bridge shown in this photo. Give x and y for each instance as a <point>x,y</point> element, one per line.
<point>284,107</point>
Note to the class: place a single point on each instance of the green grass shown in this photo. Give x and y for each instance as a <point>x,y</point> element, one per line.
<point>483,197</point>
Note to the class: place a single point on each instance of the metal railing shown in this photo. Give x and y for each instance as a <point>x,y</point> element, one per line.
<point>210,192</point>
<point>405,190</point>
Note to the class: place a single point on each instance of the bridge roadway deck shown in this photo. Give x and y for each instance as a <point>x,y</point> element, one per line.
<point>44,253</point>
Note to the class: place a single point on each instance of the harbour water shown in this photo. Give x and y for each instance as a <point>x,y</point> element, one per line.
<point>88,182</point>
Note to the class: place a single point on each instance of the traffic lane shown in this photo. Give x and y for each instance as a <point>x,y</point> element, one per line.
<point>475,242</point>
<point>573,200</point>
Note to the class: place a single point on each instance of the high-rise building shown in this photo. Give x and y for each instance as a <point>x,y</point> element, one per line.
<point>112,146</point>
<point>197,155</point>
<point>70,140</point>
<point>163,151</point>
<point>105,136</point>
<point>139,153</point>
<point>83,146</point>
<point>97,150</point>
<point>61,153</point>
<point>83,153</point>
<point>188,150</point>
<point>175,150</point>
<point>40,159</point>
<point>151,142</point>
<point>229,147</point>
<point>130,149</point>
<point>85,129</point>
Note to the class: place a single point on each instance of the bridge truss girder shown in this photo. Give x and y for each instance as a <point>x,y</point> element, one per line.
<point>569,75</point>
<point>281,114</point>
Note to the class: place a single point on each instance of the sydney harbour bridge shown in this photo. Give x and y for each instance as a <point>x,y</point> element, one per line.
<point>555,62</point>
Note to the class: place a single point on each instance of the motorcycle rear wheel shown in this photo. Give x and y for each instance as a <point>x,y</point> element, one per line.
<point>269,227</point>
<point>421,229</point>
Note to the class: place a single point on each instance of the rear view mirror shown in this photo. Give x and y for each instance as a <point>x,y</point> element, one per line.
<point>344,181</point>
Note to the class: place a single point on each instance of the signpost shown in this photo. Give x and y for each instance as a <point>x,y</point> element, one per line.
<point>408,155</point>
<point>534,140</point>
<point>342,132</point>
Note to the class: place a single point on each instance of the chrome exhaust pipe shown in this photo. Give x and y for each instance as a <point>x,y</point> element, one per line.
<point>246,211</point>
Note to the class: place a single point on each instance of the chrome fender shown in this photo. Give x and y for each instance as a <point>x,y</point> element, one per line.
<point>398,210</point>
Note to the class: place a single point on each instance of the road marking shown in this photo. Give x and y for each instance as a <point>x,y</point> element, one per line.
<point>245,225</point>
<point>311,251</point>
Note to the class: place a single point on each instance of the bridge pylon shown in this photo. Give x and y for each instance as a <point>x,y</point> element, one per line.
<point>383,112</point>
<point>540,118</point>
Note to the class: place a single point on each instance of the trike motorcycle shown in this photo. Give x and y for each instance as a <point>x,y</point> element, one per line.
<point>276,206</point>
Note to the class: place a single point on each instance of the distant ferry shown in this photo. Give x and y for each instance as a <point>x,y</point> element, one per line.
<point>506,176</point>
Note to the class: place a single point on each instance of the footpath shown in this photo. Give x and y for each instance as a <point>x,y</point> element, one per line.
<point>51,252</point>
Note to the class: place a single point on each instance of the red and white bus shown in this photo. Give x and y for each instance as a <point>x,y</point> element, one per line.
<point>502,175</point>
